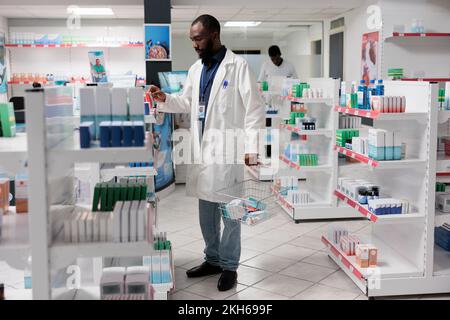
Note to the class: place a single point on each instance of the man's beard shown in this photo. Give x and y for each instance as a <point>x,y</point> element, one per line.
<point>207,53</point>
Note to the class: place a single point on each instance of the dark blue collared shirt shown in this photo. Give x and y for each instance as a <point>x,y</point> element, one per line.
<point>209,73</point>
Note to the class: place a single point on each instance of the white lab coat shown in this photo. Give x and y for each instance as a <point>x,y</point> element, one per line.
<point>236,106</point>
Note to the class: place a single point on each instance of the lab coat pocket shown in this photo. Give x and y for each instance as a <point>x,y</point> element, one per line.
<point>226,98</point>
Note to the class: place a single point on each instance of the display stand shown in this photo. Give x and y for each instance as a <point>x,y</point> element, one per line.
<point>318,180</point>
<point>405,242</point>
<point>14,240</point>
<point>53,149</point>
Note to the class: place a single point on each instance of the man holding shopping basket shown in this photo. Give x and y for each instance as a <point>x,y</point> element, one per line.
<point>221,95</point>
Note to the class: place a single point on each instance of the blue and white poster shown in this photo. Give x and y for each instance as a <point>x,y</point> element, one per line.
<point>157,42</point>
<point>162,144</point>
<point>3,80</point>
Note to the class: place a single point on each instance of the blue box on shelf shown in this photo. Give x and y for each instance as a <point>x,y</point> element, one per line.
<point>139,130</point>
<point>86,134</point>
<point>105,134</point>
<point>116,134</point>
<point>127,134</point>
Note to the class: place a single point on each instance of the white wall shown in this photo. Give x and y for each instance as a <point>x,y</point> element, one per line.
<point>4,28</point>
<point>75,61</point>
<point>418,58</point>
<point>355,27</point>
<point>428,57</point>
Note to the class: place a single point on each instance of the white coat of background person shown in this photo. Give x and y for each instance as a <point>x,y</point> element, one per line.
<point>277,66</point>
<point>233,105</point>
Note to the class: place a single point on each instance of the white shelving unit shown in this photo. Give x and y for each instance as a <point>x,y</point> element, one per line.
<point>319,180</point>
<point>409,262</point>
<point>14,241</point>
<point>53,153</point>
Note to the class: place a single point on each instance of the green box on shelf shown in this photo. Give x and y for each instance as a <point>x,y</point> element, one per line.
<point>345,135</point>
<point>7,120</point>
<point>264,86</point>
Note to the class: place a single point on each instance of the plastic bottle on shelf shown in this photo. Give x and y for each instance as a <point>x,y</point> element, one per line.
<point>380,88</point>
<point>362,94</point>
<point>343,98</point>
<point>27,274</point>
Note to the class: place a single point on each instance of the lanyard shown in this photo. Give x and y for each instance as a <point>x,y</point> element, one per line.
<point>204,85</point>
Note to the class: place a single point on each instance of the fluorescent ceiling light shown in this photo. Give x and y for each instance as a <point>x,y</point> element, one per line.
<point>242,23</point>
<point>90,11</point>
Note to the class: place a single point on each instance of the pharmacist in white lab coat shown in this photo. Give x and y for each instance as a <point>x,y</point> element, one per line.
<point>277,66</point>
<point>221,94</point>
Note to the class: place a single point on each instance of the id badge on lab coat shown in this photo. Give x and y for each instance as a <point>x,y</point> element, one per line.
<point>201,118</point>
<point>201,111</point>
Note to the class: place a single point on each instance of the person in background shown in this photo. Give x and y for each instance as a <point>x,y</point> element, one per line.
<point>277,66</point>
<point>220,94</point>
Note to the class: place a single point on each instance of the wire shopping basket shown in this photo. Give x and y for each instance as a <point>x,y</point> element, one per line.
<point>249,201</point>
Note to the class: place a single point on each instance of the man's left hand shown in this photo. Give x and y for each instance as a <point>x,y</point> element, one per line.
<point>251,159</point>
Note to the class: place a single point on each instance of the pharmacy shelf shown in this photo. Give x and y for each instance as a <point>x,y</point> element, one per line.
<point>289,206</point>
<point>442,163</point>
<point>379,164</point>
<point>295,166</point>
<point>316,132</point>
<point>309,100</point>
<point>409,217</point>
<point>427,79</point>
<point>72,153</point>
<point>78,45</point>
<point>42,82</point>
<point>13,153</point>
<point>14,242</point>
<point>122,171</point>
<point>441,261</point>
<point>419,35</point>
<point>443,115</point>
<point>441,217</point>
<point>262,173</point>
<point>370,114</point>
<point>391,264</point>
<point>62,254</point>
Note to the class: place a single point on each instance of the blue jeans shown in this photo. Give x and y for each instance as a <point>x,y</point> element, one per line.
<point>226,251</point>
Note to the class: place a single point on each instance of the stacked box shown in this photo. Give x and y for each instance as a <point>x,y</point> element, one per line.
<point>344,136</point>
<point>7,120</point>
<point>308,160</point>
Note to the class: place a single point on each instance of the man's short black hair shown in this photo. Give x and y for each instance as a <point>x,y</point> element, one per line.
<point>274,51</point>
<point>210,23</point>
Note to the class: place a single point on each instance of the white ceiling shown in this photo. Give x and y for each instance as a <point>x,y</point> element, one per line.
<point>187,10</point>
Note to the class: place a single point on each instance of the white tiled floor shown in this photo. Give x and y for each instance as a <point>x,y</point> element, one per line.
<point>279,260</point>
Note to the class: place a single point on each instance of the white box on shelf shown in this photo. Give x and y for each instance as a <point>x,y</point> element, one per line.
<point>142,221</point>
<point>117,217</point>
<point>133,220</point>
<point>81,221</point>
<point>119,104</point>
<point>125,234</point>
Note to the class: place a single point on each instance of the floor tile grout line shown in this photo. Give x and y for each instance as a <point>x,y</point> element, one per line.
<point>312,284</point>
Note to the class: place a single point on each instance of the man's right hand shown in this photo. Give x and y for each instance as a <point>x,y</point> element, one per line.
<point>157,94</point>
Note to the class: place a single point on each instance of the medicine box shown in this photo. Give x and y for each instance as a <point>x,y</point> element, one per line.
<point>377,144</point>
<point>397,145</point>
<point>136,103</point>
<point>119,104</point>
<point>125,234</point>
<point>88,107</point>
<point>362,255</point>
<point>21,193</point>
<point>443,202</point>
<point>117,217</point>
<point>136,281</point>
<point>7,120</point>
<point>112,281</point>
